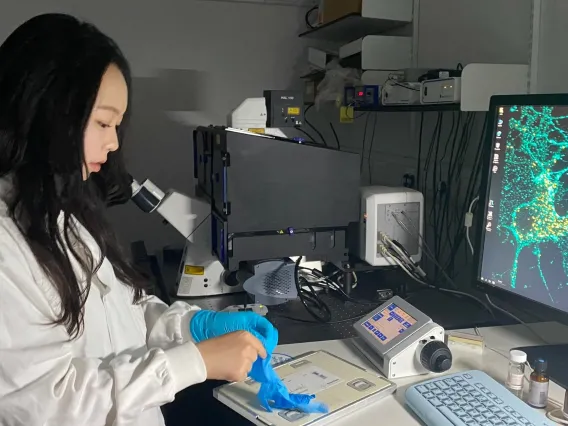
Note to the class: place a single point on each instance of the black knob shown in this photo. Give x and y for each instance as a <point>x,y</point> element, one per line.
<point>436,357</point>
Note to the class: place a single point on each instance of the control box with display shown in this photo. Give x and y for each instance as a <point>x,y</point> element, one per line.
<point>402,341</point>
<point>362,96</point>
<point>285,108</point>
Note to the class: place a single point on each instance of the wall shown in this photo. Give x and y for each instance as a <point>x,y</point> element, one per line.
<point>551,62</point>
<point>202,57</point>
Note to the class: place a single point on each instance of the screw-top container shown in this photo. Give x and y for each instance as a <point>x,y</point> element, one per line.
<point>538,388</point>
<point>516,372</point>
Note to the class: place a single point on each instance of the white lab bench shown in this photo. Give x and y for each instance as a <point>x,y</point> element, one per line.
<point>494,361</point>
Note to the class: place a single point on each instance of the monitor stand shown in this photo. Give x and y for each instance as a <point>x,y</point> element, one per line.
<point>556,355</point>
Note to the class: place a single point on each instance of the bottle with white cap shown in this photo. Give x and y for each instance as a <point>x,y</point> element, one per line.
<point>516,373</point>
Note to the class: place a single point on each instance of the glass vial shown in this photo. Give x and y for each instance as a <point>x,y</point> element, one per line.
<point>516,372</point>
<point>538,388</point>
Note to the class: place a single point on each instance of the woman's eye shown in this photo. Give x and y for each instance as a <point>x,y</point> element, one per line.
<point>104,125</point>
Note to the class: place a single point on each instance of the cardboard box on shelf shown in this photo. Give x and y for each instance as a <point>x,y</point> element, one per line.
<point>330,10</point>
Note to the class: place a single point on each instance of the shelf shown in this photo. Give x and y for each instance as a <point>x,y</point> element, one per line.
<point>352,27</point>
<point>410,108</point>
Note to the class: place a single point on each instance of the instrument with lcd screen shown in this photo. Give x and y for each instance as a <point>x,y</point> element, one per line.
<point>385,325</point>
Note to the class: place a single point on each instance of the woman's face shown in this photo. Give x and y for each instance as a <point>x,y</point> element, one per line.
<point>101,132</point>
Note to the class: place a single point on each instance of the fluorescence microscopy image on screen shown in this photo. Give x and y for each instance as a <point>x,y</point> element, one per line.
<point>526,240</point>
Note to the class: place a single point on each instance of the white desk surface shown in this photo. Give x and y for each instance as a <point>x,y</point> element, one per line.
<point>496,339</point>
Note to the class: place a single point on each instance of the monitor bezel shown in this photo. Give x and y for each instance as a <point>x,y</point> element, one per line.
<point>557,99</point>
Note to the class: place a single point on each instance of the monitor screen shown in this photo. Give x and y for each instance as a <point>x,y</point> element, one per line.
<point>389,323</point>
<point>525,246</point>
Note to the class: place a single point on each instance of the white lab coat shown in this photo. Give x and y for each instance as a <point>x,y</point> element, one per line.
<point>130,359</point>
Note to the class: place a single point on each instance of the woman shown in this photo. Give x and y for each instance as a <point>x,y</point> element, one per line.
<point>80,342</point>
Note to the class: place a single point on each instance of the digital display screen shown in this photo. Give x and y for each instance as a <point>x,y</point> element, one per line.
<point>525,250</point>
<point>293,111</point>
<point>389,323</point>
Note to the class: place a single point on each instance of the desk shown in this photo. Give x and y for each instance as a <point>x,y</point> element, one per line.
<point>198,404</point>
<point>448,311</point>
<point>494,361</point>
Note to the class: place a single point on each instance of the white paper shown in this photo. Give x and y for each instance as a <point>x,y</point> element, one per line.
<point>310,380</point>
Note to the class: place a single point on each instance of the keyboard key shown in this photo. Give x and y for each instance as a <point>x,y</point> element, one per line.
<point>495,421</point>
<point>475,394</point>
<point>462,393</point>
<point>431,386</point>
<point>499,401</point>
<point>502,415</point>
<point>469,388</point>
<point>454,407</point>
<point>508,409</point>
<point>459,379</point>
<point>450,415</point>
<point>437,392</point>
<point>441,385</point>
<point>479,386</point>
<point>485,423</point>
<point>428,395</point>
<point>510,422</point>
<point>450,382</point>
<point>475,404</point>
<point>479,419</point>
<point>517,415</point>
<point>482,409</point>
<point>524,421</point>
<point>449,392</point>
<point>446,401</point>
<point>455,397</point>
<point>460,413</point>
<point>469,398</point>
<point>461,402</point>
<point>467,407</point>
<point>491,395</point>
<point>468,376</point>
<point>422,389</point>
<point>494,409</point>
<point>436,402</point>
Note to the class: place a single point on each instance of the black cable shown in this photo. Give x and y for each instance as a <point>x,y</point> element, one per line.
<point>307,321</point>
<point>445,195</point>
<point>313,298</point>
<point>364,142</point>
<point>312,126</point>
<point>308,16</point>
<point>335,134</point>
<point>369,158</point>
<point>307,134</point>
<point>435,188</point>
<point>336,288</point>
<point>395,83</point>
<point>419,161</point>
<point>432,285</point>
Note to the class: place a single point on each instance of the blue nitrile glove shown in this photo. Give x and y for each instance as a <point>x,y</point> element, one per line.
<point>209,324</point>
<point>273,393</point>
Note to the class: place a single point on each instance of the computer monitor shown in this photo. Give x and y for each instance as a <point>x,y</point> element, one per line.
<point>523,244</point>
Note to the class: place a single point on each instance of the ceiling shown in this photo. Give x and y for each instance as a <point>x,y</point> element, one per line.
<point>295,3</point>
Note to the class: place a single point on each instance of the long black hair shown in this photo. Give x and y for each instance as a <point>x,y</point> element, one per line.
<point>50,72</point>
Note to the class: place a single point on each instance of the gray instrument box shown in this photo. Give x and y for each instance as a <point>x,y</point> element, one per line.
<point>274,197</point>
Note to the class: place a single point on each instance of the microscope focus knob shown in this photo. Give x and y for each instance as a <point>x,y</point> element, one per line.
<point>436,356</point>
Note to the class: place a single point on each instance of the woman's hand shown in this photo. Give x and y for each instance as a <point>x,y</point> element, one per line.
<point>230,356</point>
